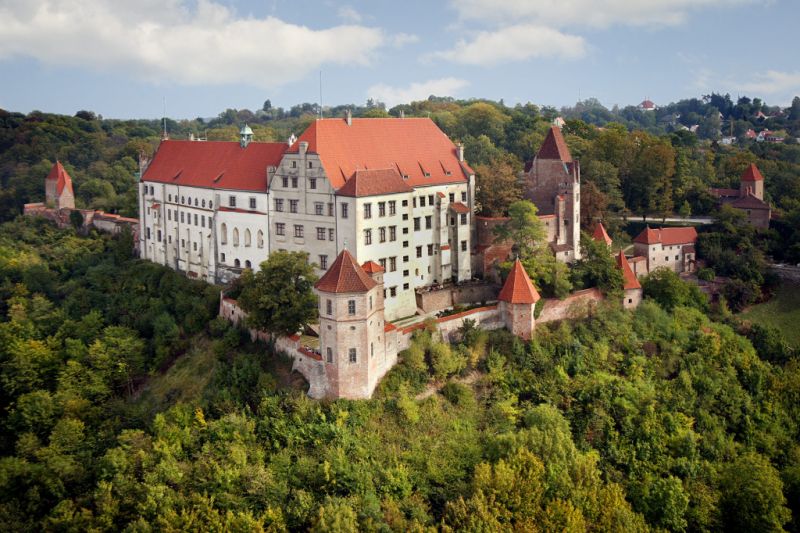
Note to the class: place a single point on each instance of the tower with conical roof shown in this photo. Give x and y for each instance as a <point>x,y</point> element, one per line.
<point>751,183</point>
<point>516,302</point>
<point>58,188</point>
<point>552,182</point>
<point>352,328</point>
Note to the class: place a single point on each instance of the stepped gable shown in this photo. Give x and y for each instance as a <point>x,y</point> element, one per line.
<point>373,183</point>
<point>420,152</point>
<point>751,173</point>
<point>62,178</point>
<point>600,234</point>
<point>344,275</point>
<point>629,280</point>
<point>554,146</point>
<point>667,236</point>
<point>518,288</point>
<point>215,164</point>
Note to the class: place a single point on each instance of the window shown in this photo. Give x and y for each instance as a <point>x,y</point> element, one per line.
<point>170,197</point>
<point>344,210</point>
<point>430,250</point>
<point>405,259</point>
<point>222,258</point>
<point>463,246</point>
<point>195,202</point>
<point>392,264</point>
<point>252,202</point>
<point>294,183</point>
<point>298,231</point>
<point>260,239</point>
<point>323,262</point>
<point>285,182</point>
<point>158,235</point>
<point>330,234</point>
<point>319,208</point>
<point>293,206</point>
<point>330,209</point>
<point>320,234</point>
<point>236,236</point>
<point>405,231</point>
<point>210,205</point>
<point>329,355</point>
<point>232,201</point>
<point>351,307</point>
<point>247,237</point>
<point>169,214</point>
<point>279,204</point>
<point>676,257</point>
<point>382,262</point>
<point>422,201</point>
<point>237,263</point>
<point>382,234</point>
<point>169,239</point>
<point>367,237</point>
<point>223,233</point>
<point>328,307</point>
<point>428,222</point>
<point>367,210</point>
<point>381,209</point>
<point>352,355</point>
<point>430,199</point>
<point>419,251</point>
<point>203,221</point>
<point>152,191</point>
<point>405,203</point>
<point>310,165</point>
<point>392,207</point>
<point>392,291</point>
<point>181,217</point>
<point>204,204</point>
<point>452,197</point>
<point>463,196</point>
<point>405,286</point>
<point>370,305</point>
<point>405,273</point>
<point>195,219</point>
<point>294,164</point>
<point>392,233</point>
<point>183,199</point>
<point>280,228</point>
<point>183,243</point>
<point>312,182</point>
<point>416,224</point>
<point>452,221</point>
<point>371,350</point>
<point>248,264</point>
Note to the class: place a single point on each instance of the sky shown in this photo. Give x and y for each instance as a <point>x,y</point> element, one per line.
<point>124,59</point>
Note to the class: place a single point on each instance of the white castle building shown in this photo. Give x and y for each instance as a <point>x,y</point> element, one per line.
<point>394,191</point>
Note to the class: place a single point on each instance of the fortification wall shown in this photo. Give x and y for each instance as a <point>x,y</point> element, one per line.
<point>576,305</point>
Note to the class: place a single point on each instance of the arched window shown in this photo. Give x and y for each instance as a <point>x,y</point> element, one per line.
<point>204,203</point>
<point>260,239</point>
<point>183,199</point>
<point>237,263</point>
<point>195,202</point>
<point>247,264</point>
<point>222,258</point>
<point>223,233</point>
<point>236,236</point>
<point>247,237</point>
<point>210,205</point>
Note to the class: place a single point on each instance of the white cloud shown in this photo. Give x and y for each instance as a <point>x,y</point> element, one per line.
<point>515,43</point>
<point>392,96</point>
<point>592,13</point>
<point>401,39</point>
<point>177,41</point>
<point>349,14</point>
<point>773,82</point>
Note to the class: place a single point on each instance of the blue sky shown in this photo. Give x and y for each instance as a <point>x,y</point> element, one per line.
<point>203,56</point>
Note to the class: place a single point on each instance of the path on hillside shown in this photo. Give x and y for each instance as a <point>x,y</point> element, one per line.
<point>433,388</point>
<point>659,220</point>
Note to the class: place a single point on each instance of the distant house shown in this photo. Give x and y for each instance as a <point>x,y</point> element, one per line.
<point>727,141</point>
<point>750,134</point>
<point>647,105</point>
<point>749,197</point>
<point>673,248</point>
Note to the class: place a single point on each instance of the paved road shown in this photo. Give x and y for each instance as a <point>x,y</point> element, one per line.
<point>688,220</point>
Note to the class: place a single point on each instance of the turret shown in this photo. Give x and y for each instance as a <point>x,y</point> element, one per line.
<point>517,300</point>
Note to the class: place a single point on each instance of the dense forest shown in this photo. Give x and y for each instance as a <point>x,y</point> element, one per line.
<point>658,419</point>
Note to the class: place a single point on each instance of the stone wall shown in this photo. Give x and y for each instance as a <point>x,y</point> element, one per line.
<point>576,305</point>
<point>100,220</point>
<point>464,294</point>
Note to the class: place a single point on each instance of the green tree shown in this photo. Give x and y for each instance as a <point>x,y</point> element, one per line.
<point>752,495</point>
<point>497,185</point>
<point>279,298</point>
<point>597,267</point>
<point>670,291</point>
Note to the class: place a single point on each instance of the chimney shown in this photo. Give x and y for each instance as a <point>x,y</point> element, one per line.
<point>348,117</point>
<point>460,152</point>
<point>303,148</point>
<point>402,114</point>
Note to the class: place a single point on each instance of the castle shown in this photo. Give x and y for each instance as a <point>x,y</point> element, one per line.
<point>748,198</point>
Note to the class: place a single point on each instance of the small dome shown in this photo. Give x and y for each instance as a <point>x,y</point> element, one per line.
<point>245,130</point>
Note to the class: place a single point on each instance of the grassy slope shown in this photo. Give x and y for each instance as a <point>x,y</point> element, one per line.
<point>782,312</point>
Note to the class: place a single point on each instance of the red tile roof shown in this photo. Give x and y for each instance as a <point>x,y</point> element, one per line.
<point>374,182</point>
<point>667,236</point>
<point>724,193</point>
<point>371,267</point>
<point>518,288</point>
<point>459,207</point>
<point>63,181</point>
<point>408,144</point>
<point>647,104</point>
<point>600,234</point>
<point>750,202</point>
<point>214,164</point>
<point>629,280</point>
<point>344,275</point>
<point>554,146</point>
<point>751,173</point>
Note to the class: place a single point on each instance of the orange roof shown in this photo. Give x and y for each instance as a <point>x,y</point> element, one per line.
<point>344,275</point>
<point>554,146</point>
<point>667,236</point>
<point>629,280</point>
<point>214,164</point>
<point>371,267</point>
<point>414,146</point>
<point>751,173</point>
<point>374,182</point>
<point>459,207</point>
<point>59,174</point>
<point>518,288</point>
<point>600,234</point>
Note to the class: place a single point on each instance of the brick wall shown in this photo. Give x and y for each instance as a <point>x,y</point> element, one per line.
<point>578,304</point>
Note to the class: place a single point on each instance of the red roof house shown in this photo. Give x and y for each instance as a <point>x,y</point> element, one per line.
<point>667,236</point>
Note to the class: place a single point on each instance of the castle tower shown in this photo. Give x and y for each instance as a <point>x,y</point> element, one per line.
<point>351,327</point>
<point>752,182</point>
<point>600,234</point>
<point>58,188</point>
<point>552,182</point>
<point>630,283</point>
<point>516,302</point>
